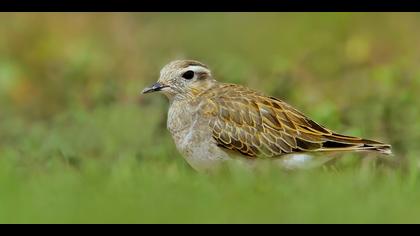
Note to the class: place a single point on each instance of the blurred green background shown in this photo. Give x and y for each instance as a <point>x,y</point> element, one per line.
<point>79,144</point>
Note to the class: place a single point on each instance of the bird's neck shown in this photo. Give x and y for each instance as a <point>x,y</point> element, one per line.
<point>194,92</point>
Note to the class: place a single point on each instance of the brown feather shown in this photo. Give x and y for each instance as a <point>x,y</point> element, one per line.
<point>249,123</point>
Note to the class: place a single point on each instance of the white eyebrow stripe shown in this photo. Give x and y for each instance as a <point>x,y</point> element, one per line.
<point>198,69</point>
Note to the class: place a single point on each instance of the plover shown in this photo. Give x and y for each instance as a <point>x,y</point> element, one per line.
<point>213,122</point>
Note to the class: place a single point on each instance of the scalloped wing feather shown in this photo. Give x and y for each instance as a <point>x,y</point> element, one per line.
<point>249,123</point>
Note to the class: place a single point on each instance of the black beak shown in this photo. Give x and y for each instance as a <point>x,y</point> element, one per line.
<point>154,88</point>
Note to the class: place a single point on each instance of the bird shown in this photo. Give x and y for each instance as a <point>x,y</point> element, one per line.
<point>213,123</point>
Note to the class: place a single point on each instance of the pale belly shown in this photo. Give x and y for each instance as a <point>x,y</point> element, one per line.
<point>199,150</point>
<point>202,154</point>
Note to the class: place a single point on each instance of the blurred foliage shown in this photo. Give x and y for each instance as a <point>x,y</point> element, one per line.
<point>71,114</point>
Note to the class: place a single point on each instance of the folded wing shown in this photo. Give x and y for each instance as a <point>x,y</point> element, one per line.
<point>249,123</point>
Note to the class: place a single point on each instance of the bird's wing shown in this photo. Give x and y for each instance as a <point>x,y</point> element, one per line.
<point>247,122</point>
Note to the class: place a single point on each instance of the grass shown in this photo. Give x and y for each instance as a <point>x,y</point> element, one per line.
<point>118,175</point>
<point>130,191</point>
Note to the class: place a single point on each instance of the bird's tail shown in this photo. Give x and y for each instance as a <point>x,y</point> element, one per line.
<point>338,142</point>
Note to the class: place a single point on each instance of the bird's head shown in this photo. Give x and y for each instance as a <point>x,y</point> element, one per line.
<point>182,79</point>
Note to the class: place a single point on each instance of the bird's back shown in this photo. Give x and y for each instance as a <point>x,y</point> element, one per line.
<point>249,123</point>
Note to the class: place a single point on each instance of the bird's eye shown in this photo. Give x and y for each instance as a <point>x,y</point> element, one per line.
<point>188,74</point>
